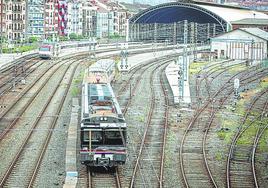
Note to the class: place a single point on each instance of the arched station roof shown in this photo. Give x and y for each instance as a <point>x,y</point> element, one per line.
<point>194,11</point>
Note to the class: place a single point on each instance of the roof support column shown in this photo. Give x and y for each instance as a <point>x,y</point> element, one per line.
<point>195,40</point>
<point>138,31</point>
<point>208,31</point>
<point>214,30</point>
<point>174,33</point>
<point>155,32</point>
<point>147,31</point>
<point>185,32</point>
<point>192,33</point>
<point>129,31</point>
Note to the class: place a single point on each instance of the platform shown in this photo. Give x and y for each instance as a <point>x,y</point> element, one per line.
<point>70,164</point>
<point>172,75</point>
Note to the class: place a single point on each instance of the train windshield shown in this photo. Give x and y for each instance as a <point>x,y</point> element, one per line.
<point>105,137</point>
<point>44,49</point>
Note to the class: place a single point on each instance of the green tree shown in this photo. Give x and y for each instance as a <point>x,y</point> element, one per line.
<point>73,36</point>
<point>33,39</point>
<point>63,38</point>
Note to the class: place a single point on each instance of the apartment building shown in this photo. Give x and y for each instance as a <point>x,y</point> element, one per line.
<point>75,17</point>
<point>62,17</point>
<point>51,18</point>
<point>2,19</point>
<point>13,14</point>
<point>89,18</point>
<point>111,19</point>
<point>35,21</point>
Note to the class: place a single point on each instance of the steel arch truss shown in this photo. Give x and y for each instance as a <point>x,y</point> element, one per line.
<point>217,18</point>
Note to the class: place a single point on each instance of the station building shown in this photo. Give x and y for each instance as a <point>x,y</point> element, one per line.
<point>241,44</point>
<point>251,22</point>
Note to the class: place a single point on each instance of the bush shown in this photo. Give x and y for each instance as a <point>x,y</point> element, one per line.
<point>19,49</point>
<point>63,38</point>
<point>73,36</point>
<point>33,39</point>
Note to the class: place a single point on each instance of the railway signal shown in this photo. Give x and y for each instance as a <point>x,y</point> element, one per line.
<point>236,86</point>
<point>124,55</point>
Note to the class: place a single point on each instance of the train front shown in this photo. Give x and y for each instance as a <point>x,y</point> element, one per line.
<point>46,51</point>
<point>103,127</point>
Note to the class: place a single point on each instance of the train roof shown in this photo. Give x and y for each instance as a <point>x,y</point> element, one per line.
<point>98,72</point>
<point>100,90</point>
<point>101,101</point>
<point>102,65</point>
<point>45,46</point>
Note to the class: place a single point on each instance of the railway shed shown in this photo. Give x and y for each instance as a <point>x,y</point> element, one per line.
<point>241,44</point>
<point>186,21</point>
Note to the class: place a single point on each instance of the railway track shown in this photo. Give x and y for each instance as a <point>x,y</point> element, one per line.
<point>148,159</point>
<point>11,77</point>
<point>116,179</point>
<point>199,150</point>
<point>210,74</point>
<point>124,91</point>
<point>259,133</point>
<point>35,139</point>
<point>98,178</point>
<point>19,120</point>
<point>240,171</point>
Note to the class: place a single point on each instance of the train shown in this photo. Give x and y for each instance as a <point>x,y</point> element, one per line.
<point>103,130</point>
<point>49,50</point>
<point>46,51</point>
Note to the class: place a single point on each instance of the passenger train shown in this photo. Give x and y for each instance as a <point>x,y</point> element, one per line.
<point>49,50</point>
<point>46,51</point>
<point>103,127</point>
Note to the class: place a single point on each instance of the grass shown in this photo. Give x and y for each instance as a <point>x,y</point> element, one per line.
<point>236,69</point>
<point>75,91</point>
<point>141,118</point>
<point>226,135</point>
<point>264,83</point>
<point>76,84</point>
<point>117,72</point>
<point>219,156</point>
<point>169,153</point>
<point>248,136</point>
<point>263,142</point>
<point>20,49</point>
<point>195,67</point>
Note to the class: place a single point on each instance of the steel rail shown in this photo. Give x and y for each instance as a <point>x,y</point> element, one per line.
<point>236,136</point>
<point>197,114</point>
<point>255,145</point>
<point>45,145</point>
<point>15,159</point>
<point>165,131</point>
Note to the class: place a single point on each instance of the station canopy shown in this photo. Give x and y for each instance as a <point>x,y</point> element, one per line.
<point>198,12</point>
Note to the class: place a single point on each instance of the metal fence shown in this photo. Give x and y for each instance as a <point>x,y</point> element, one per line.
<point>179,32</point>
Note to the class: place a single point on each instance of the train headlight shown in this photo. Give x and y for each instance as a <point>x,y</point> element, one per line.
<point>101,118</point>
<point>105,119</point>
<point>85,148</point>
